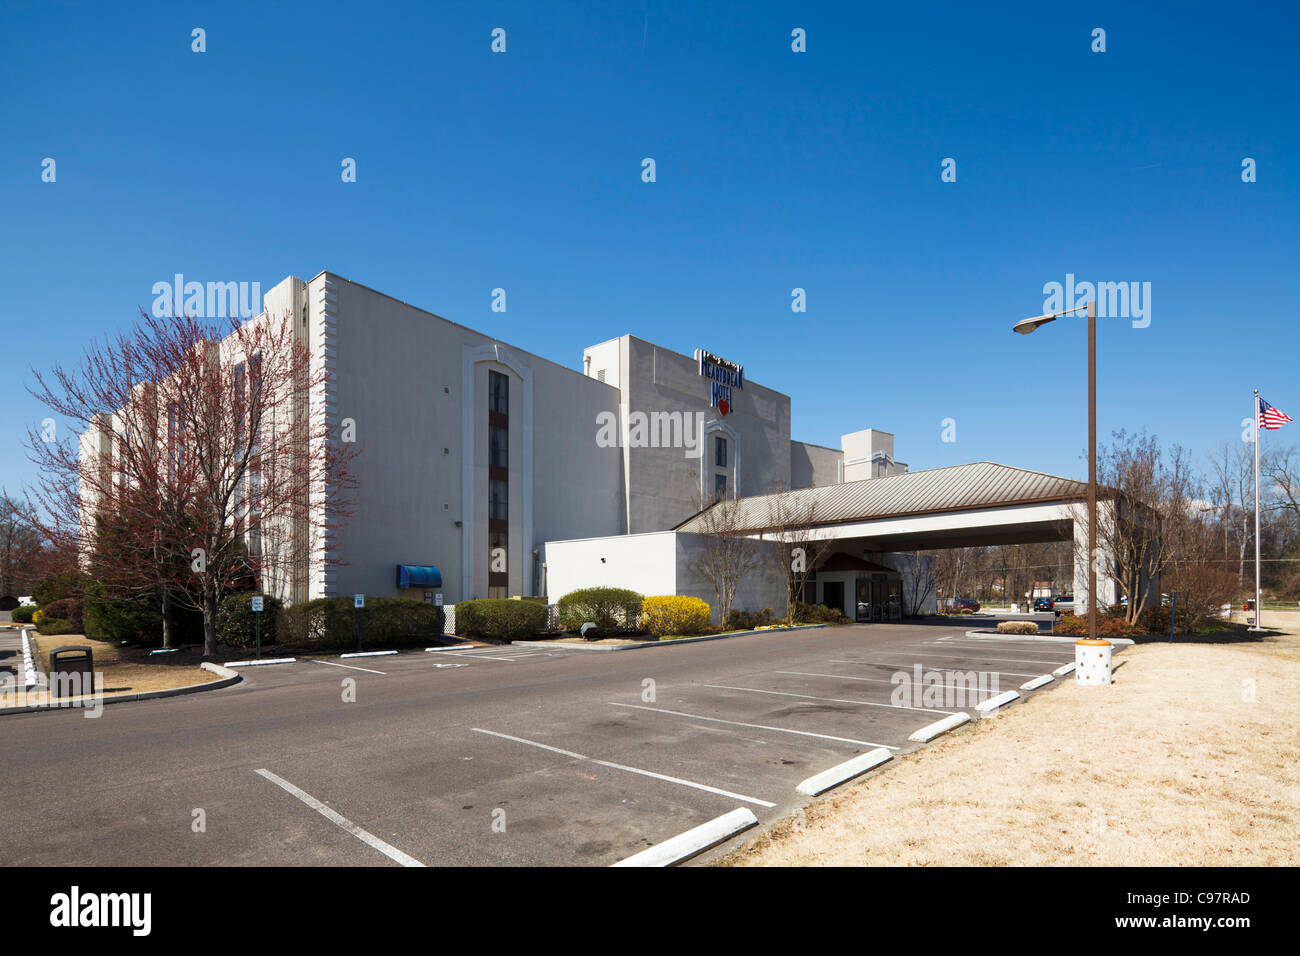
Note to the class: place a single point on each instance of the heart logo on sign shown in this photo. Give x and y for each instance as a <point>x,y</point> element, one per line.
<point>724,406</point>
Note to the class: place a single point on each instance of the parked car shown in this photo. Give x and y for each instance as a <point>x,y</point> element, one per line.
<point>1044,604</point>
<point>965,604</point>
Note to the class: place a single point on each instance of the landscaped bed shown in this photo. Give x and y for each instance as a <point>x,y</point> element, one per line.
<point>125,670</point>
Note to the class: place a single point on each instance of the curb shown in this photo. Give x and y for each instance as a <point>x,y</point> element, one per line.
<point>29,662</point>
<point>640,645</point>
<point>993,703</point>
<point>228,676</point>
<point>261,662</point>
<point>1036,682</point>
<point>820,783</point>
<point>693,841</point>
<point>1066,669</point>
<point>1049,638</point>
<point>367,654</point>
<point>930,731</point>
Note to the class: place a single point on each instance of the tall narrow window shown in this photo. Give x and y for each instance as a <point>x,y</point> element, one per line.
<point>498,500</point>
<point>498,393</point>
<point>719,487</point>
<point>720,451</point>
<point>498,446</point>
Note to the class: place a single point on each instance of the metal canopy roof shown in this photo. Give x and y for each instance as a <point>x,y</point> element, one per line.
<point>982,484</point>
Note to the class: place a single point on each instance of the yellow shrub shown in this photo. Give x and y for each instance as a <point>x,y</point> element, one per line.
<point>674,614</point>
<point>36,616</point>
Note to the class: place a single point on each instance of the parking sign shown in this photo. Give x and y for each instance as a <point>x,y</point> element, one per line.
<point>358,600</point>
<point>257,603</point>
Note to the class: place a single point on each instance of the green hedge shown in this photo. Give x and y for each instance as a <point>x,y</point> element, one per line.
<point>22,614</point>
<point>500,618</point>
<point>54,625</point>
<point>138,620</point>
<point>237,621</point>
<point>612,610</point>
<point>332,622</point>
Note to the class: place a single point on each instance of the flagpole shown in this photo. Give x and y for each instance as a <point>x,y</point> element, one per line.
<point>1258,423</point>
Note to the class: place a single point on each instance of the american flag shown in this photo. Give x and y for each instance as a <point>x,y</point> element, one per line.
<point>1270,417</point>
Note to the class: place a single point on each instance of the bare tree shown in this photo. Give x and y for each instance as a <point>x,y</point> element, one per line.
<point>1145,498</point>
<point>200,468</point>
<point>1230,489</point>
<point>790,519</point>
<point>18,544</point>
<point>918,581</point>
<point>727,553</point>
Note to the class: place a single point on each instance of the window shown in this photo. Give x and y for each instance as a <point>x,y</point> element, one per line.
<point>498,500</point>
<point>498,447</point>
<point>719,487</point>
<point>720,451</point>
<point>498,393</point>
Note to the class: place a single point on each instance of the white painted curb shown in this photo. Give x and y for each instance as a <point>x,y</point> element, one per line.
<point>453,647</point>
<point>930,731</point>
<point>993,703</point>
<point>368,654</point>
<point>1048,638</point>
<point>693,841</point>
<point>29,662</point>
<point>1037,682</point>
<point>845,771</point>
<point>269,660</point>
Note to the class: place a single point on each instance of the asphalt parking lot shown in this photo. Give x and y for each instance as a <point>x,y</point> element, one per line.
<point>499,756</point>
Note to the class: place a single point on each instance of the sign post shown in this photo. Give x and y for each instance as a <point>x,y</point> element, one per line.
<point>257,618</point>
<point>358,601</point>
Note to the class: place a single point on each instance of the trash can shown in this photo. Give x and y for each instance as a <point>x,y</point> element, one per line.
<point>72,672</point>
<point>1092,661</point>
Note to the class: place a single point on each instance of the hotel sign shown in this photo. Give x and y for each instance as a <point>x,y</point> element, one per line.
<point>723,377</point>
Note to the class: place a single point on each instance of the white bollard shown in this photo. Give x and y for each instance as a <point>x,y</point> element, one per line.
<point>1092,661</point>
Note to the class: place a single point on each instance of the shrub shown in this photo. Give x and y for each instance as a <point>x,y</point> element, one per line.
<point>54,586</point>
<point>746,620</point>
<point>1017,627</point>
<point>612,610</point>
<point>500,618</point>
<point>675,614</point>
<point>237,621</point>
<point>23,615</point>
<point>54,625</point>
<point>332,622</point>
<point>37,617</point>
<point>818,614</point>
<point>66,609</point>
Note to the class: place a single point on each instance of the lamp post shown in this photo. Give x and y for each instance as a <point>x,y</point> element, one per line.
<point>1024,327</point>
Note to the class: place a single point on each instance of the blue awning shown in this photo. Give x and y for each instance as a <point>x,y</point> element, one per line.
<point>418,576</point>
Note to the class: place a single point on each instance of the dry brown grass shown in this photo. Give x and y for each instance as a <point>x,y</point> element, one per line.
<point>1174,764</point>
<point>122,674</point>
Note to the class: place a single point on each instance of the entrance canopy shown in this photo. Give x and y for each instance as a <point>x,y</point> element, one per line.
<point>960,506</point>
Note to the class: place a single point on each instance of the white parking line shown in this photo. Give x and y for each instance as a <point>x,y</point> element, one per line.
<point>970,645</point>
<point>741,723</point>
<point>342,822</point>
<point>878,680</point>
<point>351,667</point>
<point>835,700</point>
<point>619,766</point>
<point>908,667</point>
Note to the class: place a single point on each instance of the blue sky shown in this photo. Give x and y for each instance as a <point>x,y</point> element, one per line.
<point>775,170</point>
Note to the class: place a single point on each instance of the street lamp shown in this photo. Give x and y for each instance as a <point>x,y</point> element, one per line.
<point>1024,327</point>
